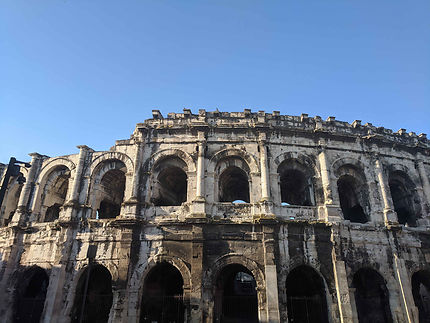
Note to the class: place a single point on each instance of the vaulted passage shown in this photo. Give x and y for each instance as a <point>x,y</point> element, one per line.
<point>403,193</point>
<point>93,305</point>
<point>296,184</point>
<point>306,300</point>
<point>421,293</point>
<point>371,297</point>
<point>30,296</point>
<point>170,182</point>
<point>233,185</point>
<point>235,296</point>
<point>112,187</point>
<point>162,299</point>
<point>351,199</point>
<point>54,193</point>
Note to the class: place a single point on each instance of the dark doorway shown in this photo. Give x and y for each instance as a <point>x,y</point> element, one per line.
<point>296,184</point>
<point>350,199</point>
<point>162,299</point>
<point>306,300</point>
<point>233,185</point>
<point>371,297</point>
<point>30,296</point>
<point>403,194</point>
<point>172,187</point>
<point>98,300</point>
<point>236,296</point>
<point>421,293</point>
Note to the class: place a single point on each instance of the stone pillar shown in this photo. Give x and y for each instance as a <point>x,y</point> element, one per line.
<point>389,214</point>
<point>407,299</point>
<point>28,189</point>
<point>330,211</point>
<point>200,185</point>
<point>272,301</point>
<point>129,207</point>
<point>264,169</point>
<point>196,311</point>
<point>342,290</point>
<point>426,184</point>
<point>198,207</point>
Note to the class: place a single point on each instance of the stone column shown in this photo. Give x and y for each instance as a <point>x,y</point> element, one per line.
<point>272,301</point>
<point>130,205</point>
<point>389,214</point>
<point>425,181</point>
<point>264,169</point>
<point>342,290</point>
<point>330,211</point>
<point>198,207</point>
<point>83,152</point>
<point>200,185</point>
<point>196,311</point>
<point>28,189</point>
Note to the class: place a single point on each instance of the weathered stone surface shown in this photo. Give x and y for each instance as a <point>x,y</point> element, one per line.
<point>342,206</point>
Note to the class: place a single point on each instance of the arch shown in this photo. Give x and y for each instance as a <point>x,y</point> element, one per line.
<point>52,193</point>
<point>404,196</point>
<point>296,182</point>
<point>163,294</point>
<point>169,181</point>
<point>305,160</point>
<point>10,202</point>
<point>233,185</point>
<point>353,189</point>
<point>112,155</point>
<point>306,295</point>
<point>51,164</point>
<point>94,303</point>
<point>169,153</point>
<point>212,273</point>
<point>233,152</point>
<point>29,295</point>
<point>371,296</point>
<point>107,188</point>
<point>421,293</point>
<point>174,261</point>
<point>235,295</point>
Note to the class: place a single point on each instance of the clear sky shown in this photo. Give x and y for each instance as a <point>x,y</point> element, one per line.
<point>78,72</point>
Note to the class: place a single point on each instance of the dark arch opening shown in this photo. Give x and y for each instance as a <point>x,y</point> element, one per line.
<point>371,297</point>
<point>30,296</point>
<point>421,293</point>
<point>233,185</point>
<point>55,195</point>
<point>162,299</point>
<point>296,184</point>
<point>172,188</point>
<point>236,296</point>
<point>98,299</point>
<point>350,199</point>
<point>306,299</point>
<point>402,192</point>
<point>113,186</point>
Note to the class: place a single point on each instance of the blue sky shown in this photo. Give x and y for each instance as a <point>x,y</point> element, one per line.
<point>78,72</point>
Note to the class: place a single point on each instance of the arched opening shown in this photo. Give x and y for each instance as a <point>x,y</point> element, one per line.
<point>10,202</point>
<point>162,298</point>
<point>235,296</point>
<point>306,299</point>
<point>233,185</point>
<point>371,297</point>
<point>30,296</point>
<point>405,199</point>
<point>353,199</point>
<point>169,187</point>
<point>296,184</point>
<point>112,186</point>
<point>54,193</point>
<point>96,280</point>
<point>421,293</point>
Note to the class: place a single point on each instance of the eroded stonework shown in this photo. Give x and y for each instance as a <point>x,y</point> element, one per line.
<point>223,217</point>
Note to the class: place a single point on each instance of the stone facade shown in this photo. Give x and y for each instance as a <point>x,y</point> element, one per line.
<point>223,217</point>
